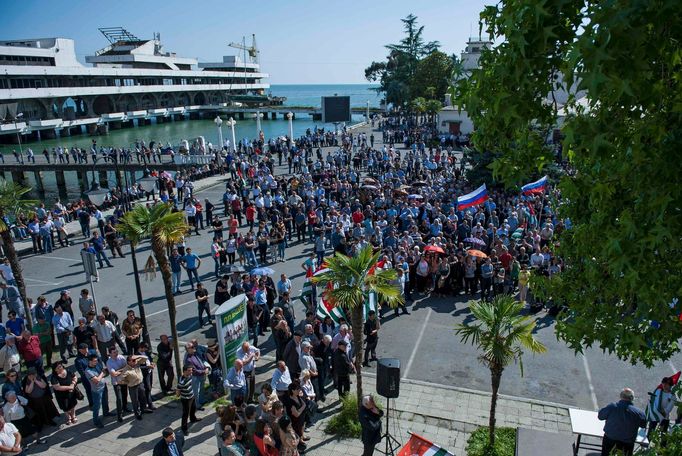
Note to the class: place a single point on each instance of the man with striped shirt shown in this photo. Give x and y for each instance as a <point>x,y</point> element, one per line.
<point>184,390</point>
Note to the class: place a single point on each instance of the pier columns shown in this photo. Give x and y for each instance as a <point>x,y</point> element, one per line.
<point>61,183</point>
<point>18,177</point>
<point>82,180</point>
<point>119,178</point>
<point>103,179</point>
<point>241,115</point>
<point>273,115</point>
<point>39,181</point>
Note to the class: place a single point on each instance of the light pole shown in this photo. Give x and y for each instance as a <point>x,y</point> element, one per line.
<point>258,116</point>
<point>367,111</point>
<point>21,151</point>
<point>290,116</point>
<point>231,122</point>
<point>219,123</point>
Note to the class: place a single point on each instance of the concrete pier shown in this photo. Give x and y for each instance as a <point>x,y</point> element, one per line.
<point>18,177</point>
<point>38,175</point>
<point>103,179</point>
<point>82,180</point>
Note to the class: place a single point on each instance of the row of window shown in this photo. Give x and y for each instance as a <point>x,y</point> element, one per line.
<point>26,60</point>
<point>34,83</point>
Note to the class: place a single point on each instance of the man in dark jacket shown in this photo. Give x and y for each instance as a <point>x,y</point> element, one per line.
<point>370,421</point>
<point>342,368</point>
<point>170,444</point>
<point>164,364</point>
<point>292,352</point>
<point>623,421</point>
<point>323,356</point>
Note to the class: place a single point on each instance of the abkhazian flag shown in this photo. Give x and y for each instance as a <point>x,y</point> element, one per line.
<point>307,290</point>
<point>419,446</point>
<point>326,308</point>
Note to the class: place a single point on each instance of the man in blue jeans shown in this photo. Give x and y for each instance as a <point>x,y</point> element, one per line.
<point>176,270</point>
<point>192,262</point>
<point>100,397</point>
<point>97,242</point>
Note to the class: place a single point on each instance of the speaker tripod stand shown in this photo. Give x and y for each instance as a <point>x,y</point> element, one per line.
<point>391,443</point>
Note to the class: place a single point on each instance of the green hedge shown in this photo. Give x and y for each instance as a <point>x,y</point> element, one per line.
<point>479,445</point>
<point>345,423</point>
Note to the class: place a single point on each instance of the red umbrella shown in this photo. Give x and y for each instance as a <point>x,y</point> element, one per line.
<point>476,253</point>
<point>434,249</point>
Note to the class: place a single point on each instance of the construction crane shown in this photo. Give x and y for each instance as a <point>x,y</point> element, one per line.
<point>252,50</point>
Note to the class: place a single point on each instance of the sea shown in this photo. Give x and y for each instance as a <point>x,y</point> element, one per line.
<point>174,132</point>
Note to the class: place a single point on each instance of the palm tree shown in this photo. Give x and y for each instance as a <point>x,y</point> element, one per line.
<point>354,278</point>
<point>418,106</point>
<point>432,107</point>
<point>164,228</point>
<point>501,333</point>
<point>12,203</point>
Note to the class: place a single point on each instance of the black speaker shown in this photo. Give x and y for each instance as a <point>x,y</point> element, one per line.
<point>388,377</point>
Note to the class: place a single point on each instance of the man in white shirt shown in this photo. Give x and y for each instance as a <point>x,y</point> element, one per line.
<point>10,439</point>
<point>105,331</point>
<point>115,363</point>
<point>248,355</point>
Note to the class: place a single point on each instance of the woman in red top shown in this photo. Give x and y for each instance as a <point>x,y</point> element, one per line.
<point>263,439</point>
<point>250,215</point>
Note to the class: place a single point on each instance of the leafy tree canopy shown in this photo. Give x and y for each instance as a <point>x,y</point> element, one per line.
<point>622,283</point>
<point>397,75</point>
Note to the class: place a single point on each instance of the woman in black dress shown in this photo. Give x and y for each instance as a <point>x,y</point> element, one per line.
<point>296,408</point>
<point>39,398</point>
<point>65,390</point>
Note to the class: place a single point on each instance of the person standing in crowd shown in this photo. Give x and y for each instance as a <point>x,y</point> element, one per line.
<point>115,365</point>
<point>191,262</point>
<point>192,358</point>
<point>63,325</point>
<point>370,421</point>
<point>203,306</point>
<point>248,355</point>
<point>164,364</point>
<point>659,408</point>
<point>94,374</point>
<point>131,376</point>
<point>132,331</point>
<point>623,421</point>
<point>66,392</point>
<point>342,368</point>
<point>185,390</point>
<point>371,332</point>
<point>235,381</point>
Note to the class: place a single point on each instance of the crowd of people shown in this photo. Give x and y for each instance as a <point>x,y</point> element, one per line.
<point>401,201</point>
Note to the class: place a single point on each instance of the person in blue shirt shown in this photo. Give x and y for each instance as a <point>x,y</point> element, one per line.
<point>623,421</point>
<point>191,262</point>
<point>97,243</point>
<point>14,324</point>
<point>235,381</point>
<point>175,260</point>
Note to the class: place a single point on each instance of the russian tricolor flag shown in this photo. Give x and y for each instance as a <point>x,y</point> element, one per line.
<point>474,198</point>
<point>535,187</point>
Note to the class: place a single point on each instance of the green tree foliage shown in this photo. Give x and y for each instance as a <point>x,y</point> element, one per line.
<point>501,333</point>
<point>396,74</point>
<point>622,284</point>
<point>433,76</point>
<point>163,228</point>
<point>13,202</point>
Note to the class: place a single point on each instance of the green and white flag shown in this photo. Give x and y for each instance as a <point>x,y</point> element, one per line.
<point>307,290</point>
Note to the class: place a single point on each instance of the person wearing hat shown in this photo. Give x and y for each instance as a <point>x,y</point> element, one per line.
<point>66,303</point>
<point>342,368</point>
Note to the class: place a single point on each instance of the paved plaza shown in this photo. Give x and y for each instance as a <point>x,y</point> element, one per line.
<point>444,392</point>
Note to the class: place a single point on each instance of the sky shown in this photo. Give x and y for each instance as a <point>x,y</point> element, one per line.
<point>300,41</point>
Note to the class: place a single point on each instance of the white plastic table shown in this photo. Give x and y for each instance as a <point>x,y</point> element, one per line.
<point>587,423</point>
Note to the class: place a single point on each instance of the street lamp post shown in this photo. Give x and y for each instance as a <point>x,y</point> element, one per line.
<point>231,123</point>
<point>258,116</point>
<point>290,116</point>
<point>21,150</point>
<point>367,111</point>
<point>219,123</point>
